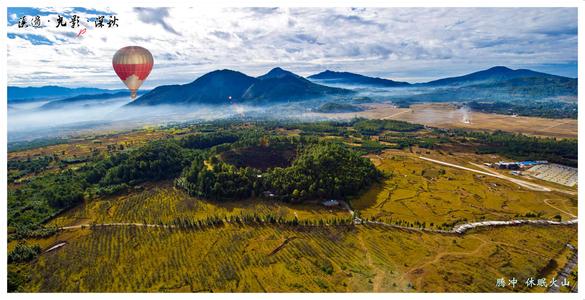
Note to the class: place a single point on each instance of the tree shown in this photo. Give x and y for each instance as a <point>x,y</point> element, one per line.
<point>296,193</point>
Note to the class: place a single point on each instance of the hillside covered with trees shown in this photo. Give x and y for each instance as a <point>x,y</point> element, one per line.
<point>322,170</point>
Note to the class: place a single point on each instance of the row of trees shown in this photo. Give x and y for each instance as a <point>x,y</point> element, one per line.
<point>405,141</point>
<point>255,219</point>
<point>521,147</point>
<point>203,141</point>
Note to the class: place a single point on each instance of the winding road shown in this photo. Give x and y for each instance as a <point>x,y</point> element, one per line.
<point>462,228</point>
<point>561,210</point>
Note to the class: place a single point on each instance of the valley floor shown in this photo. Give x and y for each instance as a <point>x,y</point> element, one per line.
<point>445,115</point>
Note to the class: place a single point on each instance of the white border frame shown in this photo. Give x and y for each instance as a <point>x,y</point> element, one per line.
<point>580,4</point>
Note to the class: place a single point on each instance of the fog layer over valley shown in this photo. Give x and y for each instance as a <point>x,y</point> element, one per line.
<point>27,121</point>
<point>281,95</point>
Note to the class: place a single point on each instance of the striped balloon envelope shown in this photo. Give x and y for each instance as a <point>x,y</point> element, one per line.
<point>133,64</point>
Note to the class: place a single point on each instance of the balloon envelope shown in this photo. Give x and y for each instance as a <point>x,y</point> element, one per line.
<point>133,64</point>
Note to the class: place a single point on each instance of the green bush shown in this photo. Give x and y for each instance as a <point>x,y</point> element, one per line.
<point>23,253</point>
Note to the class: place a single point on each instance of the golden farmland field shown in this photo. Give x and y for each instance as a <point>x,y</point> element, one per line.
<point>260,258</point>
<point>342,258</point>
<point>421,191</point>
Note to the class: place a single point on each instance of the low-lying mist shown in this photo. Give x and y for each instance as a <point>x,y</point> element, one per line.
<point>33,120</point>
<point>379,92</point>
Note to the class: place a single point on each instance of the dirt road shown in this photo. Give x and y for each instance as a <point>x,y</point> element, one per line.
<point>563,211</point>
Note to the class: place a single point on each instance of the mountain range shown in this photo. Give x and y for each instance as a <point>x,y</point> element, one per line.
<point>497,74</point>
<point>279,85</point>
<point>492,75</point>
<point>225,86</point>
<point>502,84</point>
<point>497,84</point>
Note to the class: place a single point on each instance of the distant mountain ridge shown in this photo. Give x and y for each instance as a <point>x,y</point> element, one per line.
<point>51,92</point>
<point>56,104</point>
<point>519,91</point>
<point>278,85</point>
<point>224,86</point>
<point>328,76</point>
<point>491,75</point>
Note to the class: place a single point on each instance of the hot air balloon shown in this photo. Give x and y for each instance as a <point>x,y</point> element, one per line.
<point>133,64</point>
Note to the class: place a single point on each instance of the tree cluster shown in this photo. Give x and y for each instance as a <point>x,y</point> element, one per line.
<point>322,170</point>
<point>23,253</point>
<point>375,127</point>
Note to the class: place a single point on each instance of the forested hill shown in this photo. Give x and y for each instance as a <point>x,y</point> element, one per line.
<point>227,86</point>
<point>491,75</point>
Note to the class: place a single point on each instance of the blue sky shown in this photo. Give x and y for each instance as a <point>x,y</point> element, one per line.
<point>412,44</point>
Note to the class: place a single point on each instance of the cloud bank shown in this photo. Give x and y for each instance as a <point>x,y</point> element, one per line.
<point>412,44</point>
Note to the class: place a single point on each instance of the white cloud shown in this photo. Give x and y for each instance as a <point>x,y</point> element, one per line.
<point>414,44</point>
